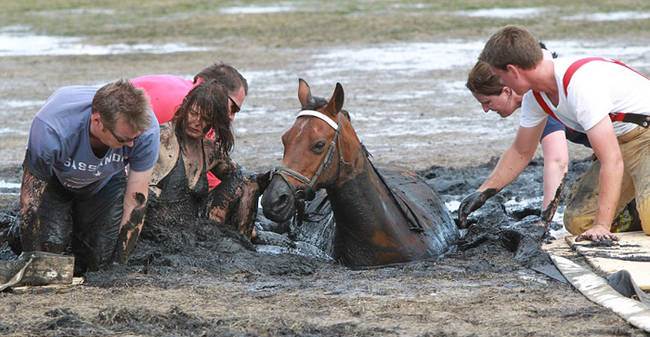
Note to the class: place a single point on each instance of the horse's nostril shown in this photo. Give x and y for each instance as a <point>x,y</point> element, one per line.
<point>283,200</point>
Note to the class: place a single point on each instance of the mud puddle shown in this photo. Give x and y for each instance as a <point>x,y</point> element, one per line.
<point>201,280</point>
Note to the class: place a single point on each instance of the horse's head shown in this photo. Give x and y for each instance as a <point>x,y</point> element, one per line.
<point>314,148</point>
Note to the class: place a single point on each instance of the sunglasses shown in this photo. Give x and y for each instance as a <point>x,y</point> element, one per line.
<point>120,139</point>
<point>234,107</point>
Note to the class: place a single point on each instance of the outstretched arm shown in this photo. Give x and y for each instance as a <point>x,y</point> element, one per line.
<point>515,159</point>
<point>511,163</point>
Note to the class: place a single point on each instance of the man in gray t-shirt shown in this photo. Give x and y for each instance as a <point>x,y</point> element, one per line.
<point>76,194</point>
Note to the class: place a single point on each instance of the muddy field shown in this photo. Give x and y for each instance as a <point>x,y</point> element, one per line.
<point>202,281</point>
<point>403,66</point>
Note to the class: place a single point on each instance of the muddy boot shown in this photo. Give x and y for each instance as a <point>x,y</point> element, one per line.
<point>11,272</point>
<point>36,269</point>
<point>12,237</point>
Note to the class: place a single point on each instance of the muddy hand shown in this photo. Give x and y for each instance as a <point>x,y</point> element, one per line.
<point>223,169</point>
<point>131,230</point>
<point>471,203</point>
<point>549,212</point>
<point>598,234</point>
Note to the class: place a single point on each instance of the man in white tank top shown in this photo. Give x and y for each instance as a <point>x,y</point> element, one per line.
<point>601,97</point>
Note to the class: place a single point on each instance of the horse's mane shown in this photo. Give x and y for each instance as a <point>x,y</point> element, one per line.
<point>315,102</point>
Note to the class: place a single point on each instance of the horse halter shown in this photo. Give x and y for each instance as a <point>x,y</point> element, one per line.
<point>307,192</point>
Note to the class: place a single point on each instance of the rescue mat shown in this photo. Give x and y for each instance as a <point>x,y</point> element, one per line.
<point>37,269</point>
<point>618,293</point>
<point>631,253</point>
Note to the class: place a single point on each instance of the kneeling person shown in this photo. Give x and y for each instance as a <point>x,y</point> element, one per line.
<point>601,97</point>
<point>179,185</point>
<point>76,194</point>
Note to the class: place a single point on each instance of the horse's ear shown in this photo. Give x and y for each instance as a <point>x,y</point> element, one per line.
<point>304,93</point>
<point>336,102</point>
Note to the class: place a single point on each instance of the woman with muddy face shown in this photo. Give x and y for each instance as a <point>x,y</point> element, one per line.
<point>179,186</point>
<point>493,96</point>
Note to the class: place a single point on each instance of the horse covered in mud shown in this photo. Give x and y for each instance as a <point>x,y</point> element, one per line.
<point>382,217</point>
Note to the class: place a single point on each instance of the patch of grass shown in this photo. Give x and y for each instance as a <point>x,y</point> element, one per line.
<point>313,23</point>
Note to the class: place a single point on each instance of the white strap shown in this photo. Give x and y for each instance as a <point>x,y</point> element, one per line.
<point>320,115</point>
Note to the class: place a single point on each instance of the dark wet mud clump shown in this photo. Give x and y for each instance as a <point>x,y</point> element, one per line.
<point>510,230</point>
<point>166,254</point>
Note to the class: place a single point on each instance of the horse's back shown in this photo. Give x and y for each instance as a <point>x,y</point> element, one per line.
<point>423,207</point>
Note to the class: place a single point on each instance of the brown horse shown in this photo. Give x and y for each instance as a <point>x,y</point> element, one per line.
<point>381,218</point>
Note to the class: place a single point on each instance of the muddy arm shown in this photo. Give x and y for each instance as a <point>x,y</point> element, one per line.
<point>135,201</point>
<point>234,202</point>
<point>31,196</point>
<point>223,169</point>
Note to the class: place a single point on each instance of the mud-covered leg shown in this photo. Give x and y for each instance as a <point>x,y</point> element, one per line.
<point>97,224</point>
<point>641,176</point>
<point>582,203</point>
<point>45,215</point>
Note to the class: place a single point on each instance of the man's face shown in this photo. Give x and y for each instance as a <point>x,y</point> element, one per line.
<point>236,100</point>
<point>512,77</point>
<point>121,135</point>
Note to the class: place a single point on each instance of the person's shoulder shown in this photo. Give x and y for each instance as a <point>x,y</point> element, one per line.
<point>70,96</point>
<point>167,130</point>
<point>81,91</point>
<point>563,62</point>
<point>153,131</point>
<point>528,99</point>
<point>529,105</point>
<point>594,63</point>
<point>67,102</point>
<point>161,79</point>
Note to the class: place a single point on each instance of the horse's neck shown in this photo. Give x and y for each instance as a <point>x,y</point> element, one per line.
<point>353,177</point>
<point>363,204</point>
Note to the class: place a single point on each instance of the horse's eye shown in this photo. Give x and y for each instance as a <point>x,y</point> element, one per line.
<point>318,147</point>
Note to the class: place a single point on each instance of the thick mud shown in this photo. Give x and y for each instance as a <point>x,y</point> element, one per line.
<point>198,279</point>
<point>404,67</point>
